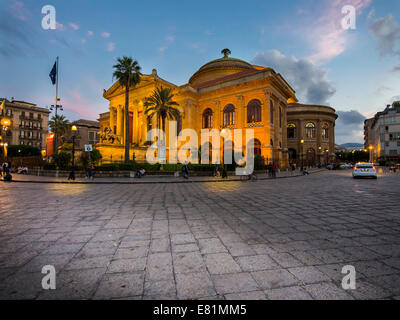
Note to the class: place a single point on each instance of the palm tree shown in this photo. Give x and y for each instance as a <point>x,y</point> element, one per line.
<point>161,105</point>
<point>59,125</point>
<point>127,72</point>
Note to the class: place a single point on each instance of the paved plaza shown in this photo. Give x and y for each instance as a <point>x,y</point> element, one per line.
<point>270,239</point>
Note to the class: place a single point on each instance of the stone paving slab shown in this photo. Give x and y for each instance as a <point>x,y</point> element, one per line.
<point>271,239</point>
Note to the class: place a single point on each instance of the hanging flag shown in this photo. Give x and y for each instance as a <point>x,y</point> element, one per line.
<point>2,105</point>
<point>53,74</point>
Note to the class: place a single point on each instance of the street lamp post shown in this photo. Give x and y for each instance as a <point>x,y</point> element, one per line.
<point>302,154</point>
<point>74,129</point>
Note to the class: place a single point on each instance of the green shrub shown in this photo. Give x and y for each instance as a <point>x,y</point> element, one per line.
<point>62,160</point>
<point>93,156</point>
<point>259,162</point>
<point>22,151</point>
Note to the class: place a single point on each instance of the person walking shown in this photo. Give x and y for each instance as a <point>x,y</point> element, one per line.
<point>185,171</point>
<point>273,169</point>
<point>4,168</point>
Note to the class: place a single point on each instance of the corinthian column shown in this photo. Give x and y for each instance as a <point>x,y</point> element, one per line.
<point>120,126</point>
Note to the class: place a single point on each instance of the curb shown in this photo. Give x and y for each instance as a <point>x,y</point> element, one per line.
<point>157,182</point>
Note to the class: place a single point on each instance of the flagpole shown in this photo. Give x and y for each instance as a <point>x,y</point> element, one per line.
<point>56,106</point>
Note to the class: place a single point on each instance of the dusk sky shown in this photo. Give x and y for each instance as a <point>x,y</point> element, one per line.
<point>355,71</point>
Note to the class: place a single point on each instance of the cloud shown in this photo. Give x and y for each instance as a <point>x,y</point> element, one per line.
<point>396,69</point>
<point>74,26</point>
<point>349,127</point>
<point>90,33</point>
<point>325,34</point>
<point>60,26</point>
<point>162,49</point>
<point>170,38</point>
<point>106,34</point>
<point>386,32</point>
<point>110,46</point>
<point>309,81</point>
<point>19,11</point>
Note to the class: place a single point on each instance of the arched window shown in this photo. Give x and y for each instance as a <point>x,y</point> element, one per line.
<point>256,145</point>
<point>291,131</point>
<point>229,115</point>
<point>310,130</point>
<point>254,111</point>
<point>271,111</point>
<point>325,131</point>
<point>207,119</point>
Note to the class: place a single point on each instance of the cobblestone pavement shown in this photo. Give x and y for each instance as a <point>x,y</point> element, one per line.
<point>273,239</point>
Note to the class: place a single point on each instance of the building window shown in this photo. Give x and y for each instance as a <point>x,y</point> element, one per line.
<point>254,111</point>
<point>23,114</point>
<point>291,131</point>
<point>207,119</point>
<point>271,111</point>
<point>22,134</point>
<point>229,115</point>
<point>325,131</point>
<point>31,115</point>
<point>39,116</point>
<point>310,130</point>
<point>179,125</point>
<point>256,145</point>
<point>9,113</point>
<point>280,117</point>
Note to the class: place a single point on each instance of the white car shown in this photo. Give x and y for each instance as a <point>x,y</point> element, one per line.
<point>364,170</point>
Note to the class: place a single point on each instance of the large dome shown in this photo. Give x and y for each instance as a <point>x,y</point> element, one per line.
<point>219,68</point>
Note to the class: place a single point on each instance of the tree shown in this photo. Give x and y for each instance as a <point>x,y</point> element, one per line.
<point>59,125</point>
<point>127,72</point>
<point>161,105</point>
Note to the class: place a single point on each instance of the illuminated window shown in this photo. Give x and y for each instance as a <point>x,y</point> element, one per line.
<point>207,119</point>
<point>310,130</point>
<point>254,111</point>
<point>229,115</point>
<point>291,131</point>
<point>325,131</point>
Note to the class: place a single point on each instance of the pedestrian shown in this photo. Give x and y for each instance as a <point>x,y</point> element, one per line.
<point>4,168</point>
<point>215,172</point>
<point>273,169</point>
<point>92,171</point>
<point>185,171</point>
<point>224,173</point>
<point>293,168</point>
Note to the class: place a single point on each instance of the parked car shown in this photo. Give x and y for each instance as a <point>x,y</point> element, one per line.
<point>330,166</point>
<point>364,169</point>
<point>344,165</point>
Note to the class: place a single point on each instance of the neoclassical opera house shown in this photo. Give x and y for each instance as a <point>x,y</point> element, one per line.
<point>226,93</point>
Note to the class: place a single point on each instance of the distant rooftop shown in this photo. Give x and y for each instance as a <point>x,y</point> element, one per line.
<point>88,123</point>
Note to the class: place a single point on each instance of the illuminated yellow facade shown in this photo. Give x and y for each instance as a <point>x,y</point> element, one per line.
<point>226,93</point>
